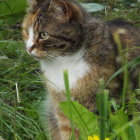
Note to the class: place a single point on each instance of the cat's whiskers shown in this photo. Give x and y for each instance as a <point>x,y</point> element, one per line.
<point>53,54</point>
<point>51,57</point>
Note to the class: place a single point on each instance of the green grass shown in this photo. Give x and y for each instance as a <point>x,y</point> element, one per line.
<point>20,75</point>
<point>115,125</point>
<point>19,117</point>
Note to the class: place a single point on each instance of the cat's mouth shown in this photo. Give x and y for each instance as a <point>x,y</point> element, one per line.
<point>37,53</point>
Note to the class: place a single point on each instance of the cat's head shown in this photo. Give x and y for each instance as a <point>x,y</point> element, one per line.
<point>53,27</point>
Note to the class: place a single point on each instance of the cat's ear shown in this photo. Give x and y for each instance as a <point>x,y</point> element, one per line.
<point>35,2</point>
<point>66,10</point>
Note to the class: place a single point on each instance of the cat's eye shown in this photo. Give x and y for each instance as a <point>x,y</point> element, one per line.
<point>43,35</point>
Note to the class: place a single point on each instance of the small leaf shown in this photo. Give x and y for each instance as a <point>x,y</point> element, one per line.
<point>93,7</point>
<point>11,7</point>
<point>12,10</point>
<point>117,121</point>
<point>84,120</point>
<point>131,132</point>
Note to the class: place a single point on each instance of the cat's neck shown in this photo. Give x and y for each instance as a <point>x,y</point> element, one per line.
<point>75,64</point>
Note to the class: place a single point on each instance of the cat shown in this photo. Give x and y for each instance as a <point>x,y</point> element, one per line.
<point>62,35</point>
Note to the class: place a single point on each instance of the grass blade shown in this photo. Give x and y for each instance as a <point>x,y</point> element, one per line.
<point>103,96</point>
<point>66,82</point>
<point>132,133</point>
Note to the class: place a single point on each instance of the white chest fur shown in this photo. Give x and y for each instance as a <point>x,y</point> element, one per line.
<point>53,70</point>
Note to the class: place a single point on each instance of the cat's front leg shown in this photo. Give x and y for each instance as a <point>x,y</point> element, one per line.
<point>58,124</point>
<point>65,127</point>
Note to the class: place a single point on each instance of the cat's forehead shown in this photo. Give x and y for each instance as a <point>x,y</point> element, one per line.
<point>34,19</point>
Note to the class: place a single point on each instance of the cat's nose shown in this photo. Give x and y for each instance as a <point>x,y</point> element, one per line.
<point>30,49</point>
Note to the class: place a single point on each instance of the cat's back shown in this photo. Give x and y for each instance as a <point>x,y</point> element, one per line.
<point>129,36</point>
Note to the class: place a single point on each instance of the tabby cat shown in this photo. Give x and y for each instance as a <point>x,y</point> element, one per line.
<point>62,35</point>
